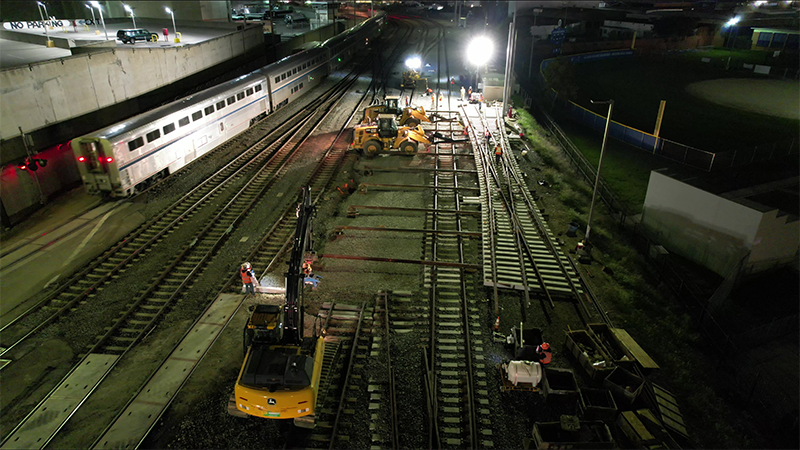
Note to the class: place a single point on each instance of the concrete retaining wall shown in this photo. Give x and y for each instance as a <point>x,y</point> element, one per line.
<point>59,90</point>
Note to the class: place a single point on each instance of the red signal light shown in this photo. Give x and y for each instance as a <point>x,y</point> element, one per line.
<point>22,166</point>
<point>81,158</point>
<point>109,159</point>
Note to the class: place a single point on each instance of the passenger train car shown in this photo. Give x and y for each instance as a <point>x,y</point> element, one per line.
<point>120,159</point>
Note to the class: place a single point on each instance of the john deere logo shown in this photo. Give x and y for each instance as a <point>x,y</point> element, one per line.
<point>272,401</point>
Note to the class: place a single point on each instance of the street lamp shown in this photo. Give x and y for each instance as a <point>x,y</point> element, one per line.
<point>97,5</point>
<point>610,104</point>
<point>174,30</point>
<point>133,16</point>
<point>45,10</point>
<point>729,24</point>
<point>479,53</point>
<point>39,6</point>
<point>94,21</point>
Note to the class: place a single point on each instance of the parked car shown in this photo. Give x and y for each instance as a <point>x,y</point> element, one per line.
<point>134,34</point>
<point>295,19</point>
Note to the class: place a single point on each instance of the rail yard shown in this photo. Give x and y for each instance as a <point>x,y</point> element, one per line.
<point>428,256</point>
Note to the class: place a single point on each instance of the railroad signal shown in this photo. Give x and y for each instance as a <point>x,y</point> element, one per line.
<point>32,164</point>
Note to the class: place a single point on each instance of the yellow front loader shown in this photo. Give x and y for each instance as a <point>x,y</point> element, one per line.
<point>386,136</point>
<point>410,117</point>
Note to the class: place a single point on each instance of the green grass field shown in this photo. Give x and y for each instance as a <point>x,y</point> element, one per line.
<point>637,85</point>
<point>625,168</point>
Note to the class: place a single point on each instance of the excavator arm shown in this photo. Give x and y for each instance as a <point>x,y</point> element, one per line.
<point>293,333</point>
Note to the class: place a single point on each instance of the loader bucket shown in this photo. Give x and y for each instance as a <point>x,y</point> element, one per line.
<point>418,135</point>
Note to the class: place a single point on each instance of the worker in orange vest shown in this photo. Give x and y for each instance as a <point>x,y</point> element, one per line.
<point>248,278</point>
<point>498,153</point>
<point>545,355</point>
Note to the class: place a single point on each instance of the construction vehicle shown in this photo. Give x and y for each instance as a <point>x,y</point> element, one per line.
<point>391,105</point>
<point>281,372</point>
<point>386,136</point>
<point>411,78</point>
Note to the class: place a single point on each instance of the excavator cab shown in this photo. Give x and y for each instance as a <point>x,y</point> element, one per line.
<point>387,126</point>
<point>392,105</point>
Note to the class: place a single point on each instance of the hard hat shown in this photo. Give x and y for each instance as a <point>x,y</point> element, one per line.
<point>247,265</point>
<point>545,346</point>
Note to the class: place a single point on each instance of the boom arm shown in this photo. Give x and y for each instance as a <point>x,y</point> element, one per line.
<point>293,333</point>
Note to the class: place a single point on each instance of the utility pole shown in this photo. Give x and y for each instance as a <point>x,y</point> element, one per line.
<point>610,104</point>
<point>536,12</point>
<point>512,33</point>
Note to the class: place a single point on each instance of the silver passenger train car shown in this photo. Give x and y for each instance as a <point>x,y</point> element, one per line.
<point>125,157</point>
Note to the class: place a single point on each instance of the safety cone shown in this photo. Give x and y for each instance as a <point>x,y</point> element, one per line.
<point>497,324</point>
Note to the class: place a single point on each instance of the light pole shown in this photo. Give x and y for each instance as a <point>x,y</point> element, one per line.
<point>133,16</point>
<point>39,6</point>
<point>94,21</point>
<point>610,104</point>
<point>174,30</point>
<point>730,25</point>
<point>45,10</point>
<point>480,51</point>
<point>97,5</point>
<point>536,12</point>
<point>512,41</point>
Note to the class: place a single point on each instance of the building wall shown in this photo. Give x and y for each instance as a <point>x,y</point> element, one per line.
<point>703,227</point>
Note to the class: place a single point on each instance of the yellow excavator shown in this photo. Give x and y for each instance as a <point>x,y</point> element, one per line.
<point>386,135</point>
<point>391,105</point>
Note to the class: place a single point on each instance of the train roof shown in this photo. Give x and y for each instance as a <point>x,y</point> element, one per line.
<point>148,117</point>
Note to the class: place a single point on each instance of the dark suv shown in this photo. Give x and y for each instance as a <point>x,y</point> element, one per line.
<point>133,35</point>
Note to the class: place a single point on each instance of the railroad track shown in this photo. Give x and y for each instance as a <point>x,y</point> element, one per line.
<point>124,430</point>
<point>516,234</point>
<point>146,310</point>
<point>345,326</point>
<point>456,376</point>
<point>84,285</point>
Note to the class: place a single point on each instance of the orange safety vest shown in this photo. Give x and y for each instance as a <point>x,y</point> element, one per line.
<point>545,357</point>
<point>498,151</point>
<point>246,278</point>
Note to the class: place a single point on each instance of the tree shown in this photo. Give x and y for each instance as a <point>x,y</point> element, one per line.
<point>560,75</point>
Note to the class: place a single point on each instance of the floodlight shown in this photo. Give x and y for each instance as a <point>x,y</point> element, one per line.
<point>480,50</point>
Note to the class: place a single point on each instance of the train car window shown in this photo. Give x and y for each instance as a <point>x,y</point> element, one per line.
<point>294,71</point>
<point>258,87</point>
<point>301,85</point>
<point>153,135</point>
<point>250,91</point>
<point>136,143</point>
<point>220,105</point>
<point>209,110</point>
<point>277,79</point>
<point>169,128</point>
<point>197,116</point>
<point>183,122</point>
<point>240,96</point>
<point>230,100</point>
